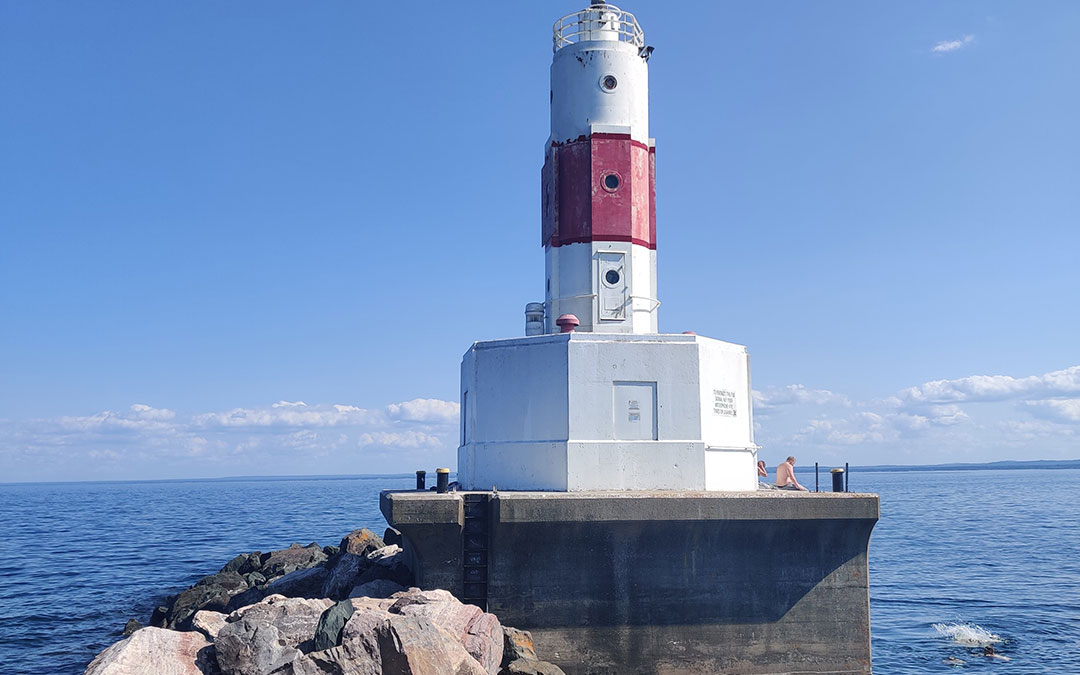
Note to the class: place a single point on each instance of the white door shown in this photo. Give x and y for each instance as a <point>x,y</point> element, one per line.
<point>612,285</point>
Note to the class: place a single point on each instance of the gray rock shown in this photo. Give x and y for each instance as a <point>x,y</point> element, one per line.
<point>377,588</point>
<point>343,576</point>
<point>387,563</point>
<point>478,632</point>
<point>208,623</point>
<point>268,635</point>
<point>245,563</point>
<point>336,661</point>
<point>213,593</point>
<point>158,651</point>
<point>531,667</point>
<point>230,581</point>
<point>517,644</point>
<point>248,597</point>
<point>255,578</point>
<point>305,583</point>
<point>519,655</point>
<point>160,617</point>
<point>406,645</point>
<point>328,632</point>
<point>361,542</point>
<point>131,626</point>
<point>296,557</point>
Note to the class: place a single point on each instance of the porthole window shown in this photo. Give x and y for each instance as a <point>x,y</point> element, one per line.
<point>610,182</point>
<point>608,83</point>
<point>612,277</point>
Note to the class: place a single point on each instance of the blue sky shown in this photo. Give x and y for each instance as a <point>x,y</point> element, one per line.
<point>211,212</point>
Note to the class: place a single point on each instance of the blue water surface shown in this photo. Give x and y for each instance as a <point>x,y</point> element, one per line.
<point>999,550</point>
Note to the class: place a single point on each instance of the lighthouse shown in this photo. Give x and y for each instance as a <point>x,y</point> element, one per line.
<point>595,397</point>
<point>599,176</point>
<point>608,497</point>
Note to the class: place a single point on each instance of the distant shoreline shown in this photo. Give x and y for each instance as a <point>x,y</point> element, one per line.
<point>971,466</point>
<point>802,470</point>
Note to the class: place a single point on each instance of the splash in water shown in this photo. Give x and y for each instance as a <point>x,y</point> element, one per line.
<point>967,634</point>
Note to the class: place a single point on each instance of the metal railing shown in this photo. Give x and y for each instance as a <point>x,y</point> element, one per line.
<point>599,22</point>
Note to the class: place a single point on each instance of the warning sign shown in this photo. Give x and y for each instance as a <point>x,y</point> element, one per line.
<point>723,403</point>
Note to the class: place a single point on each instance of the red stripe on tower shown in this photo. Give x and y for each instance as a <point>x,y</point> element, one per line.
<point>599,188</point>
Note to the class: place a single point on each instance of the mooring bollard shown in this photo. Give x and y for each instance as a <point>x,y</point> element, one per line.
<point>421,480</point>
<point>442,480</point>
<point>837,480</point>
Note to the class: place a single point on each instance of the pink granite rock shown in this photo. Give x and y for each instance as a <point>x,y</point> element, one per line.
<point>156,650</point>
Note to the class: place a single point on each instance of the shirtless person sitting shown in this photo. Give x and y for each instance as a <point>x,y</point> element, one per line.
<point>785,476</point>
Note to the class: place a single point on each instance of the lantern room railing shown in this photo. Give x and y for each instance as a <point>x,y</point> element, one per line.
<point>599,22</point>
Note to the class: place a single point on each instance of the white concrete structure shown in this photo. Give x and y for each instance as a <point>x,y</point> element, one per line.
<point>582,411</point>
<point>613,405</point>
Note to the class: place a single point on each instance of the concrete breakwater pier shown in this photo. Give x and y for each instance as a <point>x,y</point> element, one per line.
<point>657,582</point>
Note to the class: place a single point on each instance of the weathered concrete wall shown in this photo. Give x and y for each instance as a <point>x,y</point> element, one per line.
<point>668,582</point>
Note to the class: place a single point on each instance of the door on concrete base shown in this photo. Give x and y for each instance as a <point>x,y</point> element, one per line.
<point>634,407</point>
<point>612,286</point>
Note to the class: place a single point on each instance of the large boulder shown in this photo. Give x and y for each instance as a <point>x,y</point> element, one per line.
<point>332,621</point>
<point>211,592</point>
<point>156,650</point>
<point>531,667</point>
<point>342,577</point>
<point>266,636</point>
<point>208,623</point>
<point>305,583</point>
<point>361,542</point>
<point>410,645</point>
<point>387,563</point>
<point>478,632</point>
<point>519,655</point>
<point>296,557</point>
<point>377,588</point>
<point>244,564</point>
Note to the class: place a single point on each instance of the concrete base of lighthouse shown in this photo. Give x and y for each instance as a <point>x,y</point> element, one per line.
<point>657,582</point>
<point>604,411</point>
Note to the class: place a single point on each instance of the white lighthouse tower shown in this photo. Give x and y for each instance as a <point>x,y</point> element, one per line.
<point>599,187</point>
<point>594,397</point>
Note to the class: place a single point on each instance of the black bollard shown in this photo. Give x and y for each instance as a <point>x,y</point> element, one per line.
<point>442,480</point>
<point>421,480</point>
<point>837,480</point>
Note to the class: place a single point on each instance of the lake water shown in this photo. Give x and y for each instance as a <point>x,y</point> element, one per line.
<point>958,557</point>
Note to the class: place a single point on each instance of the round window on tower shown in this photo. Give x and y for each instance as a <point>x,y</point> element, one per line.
<point>612,277</point>
<point>610,182</point>
<point>608,83</point>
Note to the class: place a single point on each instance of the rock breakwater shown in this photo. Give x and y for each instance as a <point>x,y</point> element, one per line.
<point>349,609</point>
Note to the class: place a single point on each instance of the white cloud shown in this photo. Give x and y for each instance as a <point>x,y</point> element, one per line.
<point>952,45</point>
<point>947,415</point>
<point>994,387</point>
<point>145,412</point>
<point>404,439</point>
<point>1062,410</point>
<point>796,394</point>
<point>425,410</point>
<point>278,438</point>
<point>1001,415</point>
